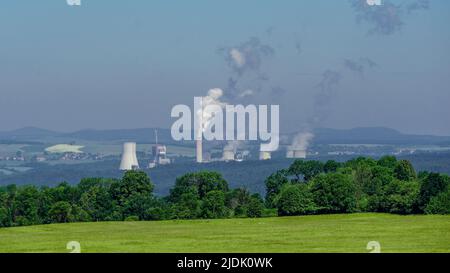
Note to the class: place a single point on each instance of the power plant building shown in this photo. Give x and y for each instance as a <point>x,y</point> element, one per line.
<point>159,153</point>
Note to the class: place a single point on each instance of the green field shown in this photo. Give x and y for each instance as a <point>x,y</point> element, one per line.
<point>324,233</point>
<point>64,148</point>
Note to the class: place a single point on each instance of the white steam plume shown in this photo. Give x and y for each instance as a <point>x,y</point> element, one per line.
<point>237,57</point>
<point>212,98</point>
<point>301,141</point>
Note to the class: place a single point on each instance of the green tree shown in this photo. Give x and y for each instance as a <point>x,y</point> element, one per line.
<point>387,162</point>
<point>353,163</point>
<point>203,182</point>
<point>78,214</point>
<point>96,201</point>
<point>274,183</point>
<point>401,197</point>
<point>238,200</point>
<point>133,182</point>
<point>331,166</point>
<point>87,183</point>
<point>61,212</point>
<point>305,169</point>
<point>65,192</point>
<point>255,206</point>
<point>295,199</point>
<point>133,193</point>
<point>375,190</point>
<point>46,200</point>
<point>137,205</point>
<point>213,205</point>
<point>3,217</point>
<point>334,193</point>
<point>404,171</point>
<point>9,205</point>
<point>27,205</point>
<point>439,204</point>
<point>432,185</point>
<point>157,213</point>
<point>362,177</point>
<point>373,181</point>
<point>187,205</point>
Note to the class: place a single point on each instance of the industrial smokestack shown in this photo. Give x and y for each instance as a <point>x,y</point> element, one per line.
<point>199,151</point>
<point>204,116</point>
<point>129,158</point>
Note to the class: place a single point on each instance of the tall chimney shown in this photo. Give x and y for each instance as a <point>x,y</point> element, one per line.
<point>199,151</point>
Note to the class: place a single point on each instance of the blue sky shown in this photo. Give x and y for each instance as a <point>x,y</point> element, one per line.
<point>124,64</point>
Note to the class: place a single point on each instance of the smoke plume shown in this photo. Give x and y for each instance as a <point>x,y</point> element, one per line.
<point>247,57</point>
<point>418,5</point>
<point>326,91</point>
<point>359,66</point>
<point>213,97</point>
<point>301,141</point>
<point>387,18</point>
<point>245,62</point>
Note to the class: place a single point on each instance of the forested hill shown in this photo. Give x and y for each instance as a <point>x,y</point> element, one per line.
<point>368,135</point>
<point>375,135</point>
<point>248,174</point>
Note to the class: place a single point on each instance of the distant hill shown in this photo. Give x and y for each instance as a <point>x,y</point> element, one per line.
<point>375,135</point>
<point>363,135</point>
<point>247,174</point>
<point>142,135</point>
<point>27,133</point>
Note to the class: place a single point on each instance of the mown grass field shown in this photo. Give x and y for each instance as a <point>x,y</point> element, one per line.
<point>324,233</point>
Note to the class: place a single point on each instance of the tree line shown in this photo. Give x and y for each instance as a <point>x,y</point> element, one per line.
<point>358,185</point>
<point>306,187</point>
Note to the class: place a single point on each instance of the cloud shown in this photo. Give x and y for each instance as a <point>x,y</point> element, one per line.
<point>418,5</point>
<point>237,57</point>
<point>246,93</point>
<point>385,19</point>
<point>388,18</point>
<point>245,62</point>
<point>359,66</point>
<point>327,89</point>
<point>247,57</point>
<point>354,66</point>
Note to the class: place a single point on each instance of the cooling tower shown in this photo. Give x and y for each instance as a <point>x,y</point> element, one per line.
<point>228,155</point>
<point>129,158</point>
<point>295,153</point>
<point>199,151</point>
<point>264,155</point>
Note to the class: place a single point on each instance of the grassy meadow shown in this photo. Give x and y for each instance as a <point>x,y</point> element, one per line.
<point>323,233</point>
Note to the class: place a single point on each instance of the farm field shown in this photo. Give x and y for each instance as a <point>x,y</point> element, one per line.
<point>323,233</point>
